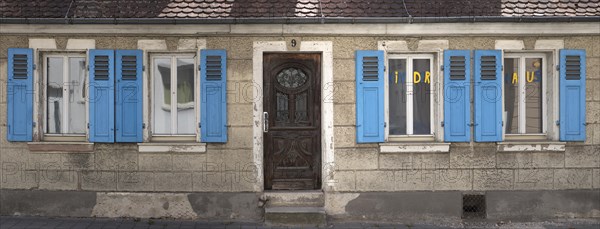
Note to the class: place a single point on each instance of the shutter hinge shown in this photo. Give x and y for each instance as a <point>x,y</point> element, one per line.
<point>88,125</point>
<point>34,66</point>
<point>33,124</point>
<point>502,123</point>
<point>143,68</point>
<point>199,125</point>
<point>557,67</point>
<point>442,67</point>
<point>557,122</point>
<point>472,124</point>
<point>143,125</point>
<point>199,67</point>
<point>442,123</point>
<point>384,124</point>
<point>384,68</point>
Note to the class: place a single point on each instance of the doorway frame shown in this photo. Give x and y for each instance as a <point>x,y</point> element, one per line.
<point>327,90</point>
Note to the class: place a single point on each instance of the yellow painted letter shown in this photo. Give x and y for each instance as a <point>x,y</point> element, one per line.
<point>415,79</point>
<point>427,77</point>
<point>515,78</point>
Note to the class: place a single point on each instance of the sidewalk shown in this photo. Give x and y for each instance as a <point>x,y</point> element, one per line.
<point>16,222</point>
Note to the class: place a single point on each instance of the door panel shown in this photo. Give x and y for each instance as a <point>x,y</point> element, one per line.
<point>292,98</point>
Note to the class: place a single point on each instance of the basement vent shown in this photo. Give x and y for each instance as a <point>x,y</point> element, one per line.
<point>473,206</point>
<point>101,68</point>
<point>213,68</point>
<point>129,67</point>
<point>573,68</point>
<point>370,68</point>
<point>457,68</point>
<point>19,66</point>
<point>488,67</point>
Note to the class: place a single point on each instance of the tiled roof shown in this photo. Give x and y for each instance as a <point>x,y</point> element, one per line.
<point>292,8</point>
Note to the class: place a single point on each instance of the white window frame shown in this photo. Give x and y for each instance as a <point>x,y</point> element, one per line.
<point>522,89</point>
<point>63,137</point>
<point>409,103</point>
<point>173,137</point>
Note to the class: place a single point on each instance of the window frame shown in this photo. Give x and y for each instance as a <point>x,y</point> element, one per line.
<point>152,56</point>
<point>44,55</point>
<point>547,95</point>
<point>435,80</point>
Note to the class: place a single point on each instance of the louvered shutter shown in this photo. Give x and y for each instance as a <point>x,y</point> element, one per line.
<point>572,95</point>
<point>457,95</point>
<point>101,96</point>
<point>370,123</point>
<point>213,89</point>
<point>129,100</point>
<point>20,95</point>
<point>488,95</point>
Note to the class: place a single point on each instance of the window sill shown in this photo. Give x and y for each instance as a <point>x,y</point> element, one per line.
<point>172,147</point>
<point>531,146</point>
<point>397,147</point>
<point>61,147</point>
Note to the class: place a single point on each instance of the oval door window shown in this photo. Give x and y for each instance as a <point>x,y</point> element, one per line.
<point>291,78</point>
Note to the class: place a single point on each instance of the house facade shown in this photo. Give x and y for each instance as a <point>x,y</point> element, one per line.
<point>354,111</point>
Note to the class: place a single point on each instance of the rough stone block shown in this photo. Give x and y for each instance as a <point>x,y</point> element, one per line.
<point>580,42</point>
<point>240,115</point>
<point>81,44</point>
<point>413,160</point>
<point>343,92</point>
<point>345,114</point>
<point>239,137</point>
<point>213,180</point>
<point>230,160</point>
<point>414,179</point>
<point>344,136</point>
<point>46,161</point>
<point>143,205</point>
<point>98,180</point>
<point>42,43</point>
<point>345,181</point>
<point>155,162</point>
<point>510,44</point>
<point>107,158</point>
<point>59,180</point>
<point>593,112</point>
<point>493,179</point>
<point>530,159</point>
<point>593,68</point>
<point>572,178</point>
<point>471,43</point>
<point>356,158</point>
<point>432,45</point>
<point>344,70</point>
<point>173,182</point>
<point>240,70</point>
<point>596,181</point>
<point>189,162</point>
<point>345,47</point>
<point>151,44</point>
<point>14,176</point>
<point>592,93</point>
<point>135,181</point>
<point>375,180</point>
<point>477,157</point>
<point>534,179</point>
<point>582,156</point>
<point>453,179</point>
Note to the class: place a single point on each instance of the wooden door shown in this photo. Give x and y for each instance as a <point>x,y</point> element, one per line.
<point>292,106</point>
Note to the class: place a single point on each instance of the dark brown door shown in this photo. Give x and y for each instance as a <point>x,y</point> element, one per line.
<point>292,105</point>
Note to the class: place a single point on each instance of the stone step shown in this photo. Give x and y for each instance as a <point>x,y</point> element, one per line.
<point>294,198</point>
<point>295,216</point>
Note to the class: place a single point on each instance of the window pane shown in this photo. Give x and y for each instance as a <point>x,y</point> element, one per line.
<point>54,91</point>
<point>186,121</point>
<point>397,93</point>
<point>533,95</point>
<point>511,95</point>
<point>422,96</point>
<point>162,96</point>
<point>76,95</point>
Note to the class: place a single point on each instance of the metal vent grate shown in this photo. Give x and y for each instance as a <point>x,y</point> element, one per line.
<point>573,71</point>
<point>213,68</point>
<point>129,67</point>
<point>19,66</point>
<point>101,68</point>
<point>474,206</point>
<point>457,68</point>
<point>370,68</point>
<point>488,67</point>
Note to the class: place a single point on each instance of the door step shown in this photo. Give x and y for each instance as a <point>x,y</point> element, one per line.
<point>295,216</point>
<point>294,198</point>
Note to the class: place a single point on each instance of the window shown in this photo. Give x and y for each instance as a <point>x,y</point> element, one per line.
<point>525,79</point>
<point>410,98</point>
<point>65,88</point>
<point>173,98</point>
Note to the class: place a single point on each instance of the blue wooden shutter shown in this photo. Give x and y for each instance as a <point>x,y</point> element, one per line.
<point>488,95</point>
<point>101,95</point>
<point>370,123</point>
<point>213,107</point>
<point>129,116</point>
<point>572,95</point>
<point>20,95</point>
<point>457,95</point>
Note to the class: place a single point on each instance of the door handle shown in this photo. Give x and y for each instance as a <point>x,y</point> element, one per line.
<point>265,122</point>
